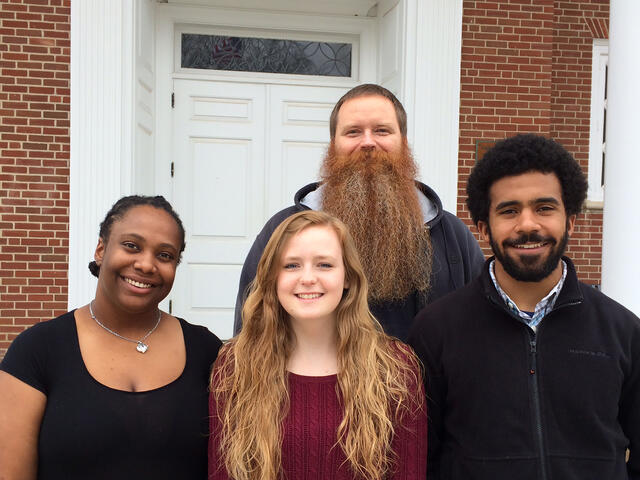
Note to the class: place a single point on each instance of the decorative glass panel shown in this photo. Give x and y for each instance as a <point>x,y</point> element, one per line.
<point>266,55</point>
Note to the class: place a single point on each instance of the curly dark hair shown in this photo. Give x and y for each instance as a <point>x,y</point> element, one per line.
<point>368,90</point>
<point>521,154</point>
<point>125,204</point>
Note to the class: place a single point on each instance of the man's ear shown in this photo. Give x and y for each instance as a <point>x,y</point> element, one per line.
<point>483,228</point>
<point>99,253</point>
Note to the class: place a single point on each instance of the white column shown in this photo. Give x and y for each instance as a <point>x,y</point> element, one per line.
<point>434,77</point>
<point>101,118</point>
<point>419,48</point>
<point>621,229</point>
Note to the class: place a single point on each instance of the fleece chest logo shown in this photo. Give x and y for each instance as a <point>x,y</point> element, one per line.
<point>589,353</point>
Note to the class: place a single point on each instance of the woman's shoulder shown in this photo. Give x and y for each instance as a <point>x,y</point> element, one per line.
<point>199,332</point>
<point>400,350</point>
<point>199,338</point>
<point>44,331</point>
<point>30,355</point>
<point>405,355</point>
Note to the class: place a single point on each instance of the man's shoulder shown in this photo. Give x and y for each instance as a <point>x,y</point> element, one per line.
<point>450,320</point>
<point>453,307</point>
<point>455,223</point>
<point>278,217</point>
<point>609,308</point>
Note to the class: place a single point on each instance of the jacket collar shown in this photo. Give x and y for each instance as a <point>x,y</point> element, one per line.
<point>303,192</point>
<point>569,295</point>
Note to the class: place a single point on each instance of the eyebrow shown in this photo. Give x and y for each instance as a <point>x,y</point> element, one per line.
<point>358,125</point>
<point>141,238</point>
<point>512,203</point>
<point>316,257</point>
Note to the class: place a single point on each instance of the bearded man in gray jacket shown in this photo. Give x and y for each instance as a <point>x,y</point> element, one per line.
<point>412,250</point>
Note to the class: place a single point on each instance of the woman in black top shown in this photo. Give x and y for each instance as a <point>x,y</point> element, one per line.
<point>117,388</point>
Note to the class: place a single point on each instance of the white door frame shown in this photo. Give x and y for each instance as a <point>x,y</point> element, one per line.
<point>109,134</point>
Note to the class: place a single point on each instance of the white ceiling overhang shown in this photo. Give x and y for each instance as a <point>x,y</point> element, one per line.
<point>332,7</point>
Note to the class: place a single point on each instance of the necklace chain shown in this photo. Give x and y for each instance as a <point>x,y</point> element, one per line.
<point>140,345</point>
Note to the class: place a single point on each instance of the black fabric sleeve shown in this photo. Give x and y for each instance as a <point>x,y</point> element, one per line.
<point>247,275</point>
<point>475,259</point>
<point>472,256</point>
<point>629,413</point>
<point>425,347</point>
<point>25,359</point>
<point>203,346</point>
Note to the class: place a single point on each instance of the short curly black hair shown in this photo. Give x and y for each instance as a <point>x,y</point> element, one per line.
<point>122,206</point>
<point>521,154</point>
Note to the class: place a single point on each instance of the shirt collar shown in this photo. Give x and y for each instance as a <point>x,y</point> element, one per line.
<point>543,307</point>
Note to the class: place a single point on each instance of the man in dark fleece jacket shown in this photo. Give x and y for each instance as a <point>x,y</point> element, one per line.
<point>529,373</point>
<point>411,249</point>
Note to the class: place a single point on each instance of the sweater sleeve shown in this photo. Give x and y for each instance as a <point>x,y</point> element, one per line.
<point>217,470</point>
<point>410,441</point>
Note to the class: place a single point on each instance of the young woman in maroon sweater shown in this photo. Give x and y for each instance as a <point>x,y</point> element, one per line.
<point>312,388</point>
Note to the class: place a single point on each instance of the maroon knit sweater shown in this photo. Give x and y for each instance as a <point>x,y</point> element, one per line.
<point>309,449</point>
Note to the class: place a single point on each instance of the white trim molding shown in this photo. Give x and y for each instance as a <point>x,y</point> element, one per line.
<point>101,162</point>
<point>600,58</point>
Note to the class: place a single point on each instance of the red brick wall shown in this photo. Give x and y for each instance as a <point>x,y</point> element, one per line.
<point>526,67</point>
<point>34,162</point>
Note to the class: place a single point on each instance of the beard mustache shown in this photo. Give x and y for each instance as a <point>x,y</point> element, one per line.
<point>528,271</point>
<point>374,194</point>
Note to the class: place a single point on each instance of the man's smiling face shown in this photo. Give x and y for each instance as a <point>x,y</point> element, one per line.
<point>527,228</point>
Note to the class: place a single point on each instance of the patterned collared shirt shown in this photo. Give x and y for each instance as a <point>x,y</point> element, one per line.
<point>543,307</point>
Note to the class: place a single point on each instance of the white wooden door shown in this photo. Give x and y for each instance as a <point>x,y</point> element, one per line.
<point>240,151</point>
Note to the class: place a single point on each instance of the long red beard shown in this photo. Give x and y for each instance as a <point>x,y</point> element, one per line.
<point>374,194</point>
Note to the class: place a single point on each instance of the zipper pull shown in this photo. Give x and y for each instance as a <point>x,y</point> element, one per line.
<point>533,347</point>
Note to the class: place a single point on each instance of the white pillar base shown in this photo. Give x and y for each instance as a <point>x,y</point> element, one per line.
<point>621,226</point>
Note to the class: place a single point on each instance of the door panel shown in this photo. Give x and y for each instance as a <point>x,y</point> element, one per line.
<point>299,135</point>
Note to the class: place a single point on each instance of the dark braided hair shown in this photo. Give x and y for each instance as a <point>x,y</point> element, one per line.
<point>522,154</point>
<point>122,206</point>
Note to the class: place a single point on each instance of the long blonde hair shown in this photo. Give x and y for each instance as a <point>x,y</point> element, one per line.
<point>249,381</point>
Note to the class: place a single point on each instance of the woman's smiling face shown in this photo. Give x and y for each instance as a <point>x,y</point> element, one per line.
<point>139,259</point>
<point>311,279</point>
